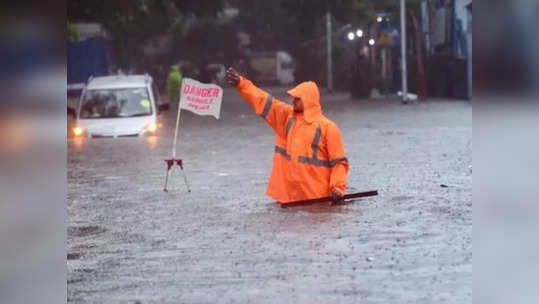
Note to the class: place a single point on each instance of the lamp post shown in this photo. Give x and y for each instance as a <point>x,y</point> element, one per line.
<point>328,52</point>
<point>403,53</point>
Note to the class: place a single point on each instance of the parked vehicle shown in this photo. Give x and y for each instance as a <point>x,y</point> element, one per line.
<point>217,72</point>
<point>84,59</point>
<point>117,106</point>
<point>273,67</point>
<point>87,56</point>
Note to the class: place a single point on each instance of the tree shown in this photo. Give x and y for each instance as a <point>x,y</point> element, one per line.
<point>72,34</point>
<point>288,24</point>
<point>209,41</point>
<point>132,23</point>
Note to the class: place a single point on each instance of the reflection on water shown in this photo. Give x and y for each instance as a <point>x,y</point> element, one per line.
<point>316,208</point>
<point>78,143</point>
<point>151,141</point>
<point>311,219</point>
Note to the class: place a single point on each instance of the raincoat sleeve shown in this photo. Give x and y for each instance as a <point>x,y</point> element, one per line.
<point>337,158</point>
<point>275,112</point>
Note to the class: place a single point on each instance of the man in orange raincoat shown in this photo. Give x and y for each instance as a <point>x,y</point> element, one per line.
<point>309,160</point>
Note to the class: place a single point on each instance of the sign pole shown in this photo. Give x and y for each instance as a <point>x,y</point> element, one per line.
<point>179,162</point>
<point>176,131</point>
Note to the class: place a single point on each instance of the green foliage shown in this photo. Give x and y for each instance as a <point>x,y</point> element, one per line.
<point>72,34</point>
<point>392,7</point>
<point>174,84</point>
<point>133,23</point>
<point>208,41</point>
<point>298,26</point>
<point>199,8</point>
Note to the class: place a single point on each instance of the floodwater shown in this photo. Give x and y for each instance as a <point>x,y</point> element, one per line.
<point>227,242</point>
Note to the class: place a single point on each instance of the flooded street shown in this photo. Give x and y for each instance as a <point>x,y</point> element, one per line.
<point>227,242</point>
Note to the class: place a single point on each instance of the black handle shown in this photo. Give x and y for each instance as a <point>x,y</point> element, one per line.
<point>328,199</point>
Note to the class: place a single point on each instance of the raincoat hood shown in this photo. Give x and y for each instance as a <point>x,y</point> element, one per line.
<point>310,96</point>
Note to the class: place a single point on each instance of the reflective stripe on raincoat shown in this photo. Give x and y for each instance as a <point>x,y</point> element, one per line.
<point>309,160</point>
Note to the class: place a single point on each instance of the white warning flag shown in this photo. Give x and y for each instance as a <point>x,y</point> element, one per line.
<point>201,98</point>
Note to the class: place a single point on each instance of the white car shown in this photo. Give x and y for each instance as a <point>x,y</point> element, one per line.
<point>218,72</point>
<point>118,106</point>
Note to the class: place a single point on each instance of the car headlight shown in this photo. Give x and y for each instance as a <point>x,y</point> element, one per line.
<point>78,131</point>
<point>152,127</point>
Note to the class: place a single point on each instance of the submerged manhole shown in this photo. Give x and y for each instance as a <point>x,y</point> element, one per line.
<point>80,231</point>
<point>73,256</point>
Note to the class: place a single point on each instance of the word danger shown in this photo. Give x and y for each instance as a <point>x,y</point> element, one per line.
<point>200,92</point>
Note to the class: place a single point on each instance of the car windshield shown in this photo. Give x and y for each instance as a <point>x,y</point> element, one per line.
<point>112,103</point>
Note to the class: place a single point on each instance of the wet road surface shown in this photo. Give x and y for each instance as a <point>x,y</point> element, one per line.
<point>226,242</point>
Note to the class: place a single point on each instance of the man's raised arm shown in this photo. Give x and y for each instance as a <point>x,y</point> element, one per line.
<point>275,112</point>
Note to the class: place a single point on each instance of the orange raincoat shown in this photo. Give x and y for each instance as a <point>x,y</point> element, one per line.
<point>309,160</point>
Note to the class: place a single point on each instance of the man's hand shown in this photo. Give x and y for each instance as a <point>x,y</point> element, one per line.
<point>336,197</point>
<point>232,77</point>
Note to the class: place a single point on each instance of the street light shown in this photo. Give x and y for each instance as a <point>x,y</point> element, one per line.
<point>359,33</point>
<point>371,41</point>
<point>351,36</point>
